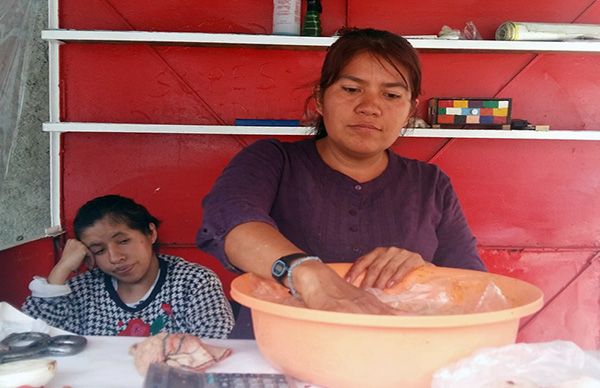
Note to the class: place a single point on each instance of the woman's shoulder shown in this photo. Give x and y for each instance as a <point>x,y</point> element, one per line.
<point>419,170</point>
<point>417,165</point>
<point>180,267</point>
<point>92,278</point>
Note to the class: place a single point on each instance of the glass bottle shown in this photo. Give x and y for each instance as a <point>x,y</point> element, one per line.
<point>312,21</point>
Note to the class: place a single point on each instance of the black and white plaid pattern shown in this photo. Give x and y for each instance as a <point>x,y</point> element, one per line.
<point>193,292</point>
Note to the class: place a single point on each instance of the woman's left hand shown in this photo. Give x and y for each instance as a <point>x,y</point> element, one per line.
<point>384,267</point>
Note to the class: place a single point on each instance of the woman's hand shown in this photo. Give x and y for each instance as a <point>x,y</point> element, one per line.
<point>323,289</point>
<point>74,253</point>
<point>384,267</point>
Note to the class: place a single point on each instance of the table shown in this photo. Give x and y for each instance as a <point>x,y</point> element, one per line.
<point>106,363</point>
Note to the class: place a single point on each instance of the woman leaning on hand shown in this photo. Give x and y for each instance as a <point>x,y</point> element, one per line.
<point>343,195</point>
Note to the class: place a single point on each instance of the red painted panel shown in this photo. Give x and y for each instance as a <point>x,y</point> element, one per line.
<point>468,75</point>
<point>533,267</point>
<point>20,264</point>
<point>245,16</point>
<point>233,16</point>
<point>569,280</point>
<point>419,17</point>
<point>570,86</point>
<point>193,85</point>
<point>137,83</point>
<point>528,193</point>
<point>169,174</point>
<point>574,315</point>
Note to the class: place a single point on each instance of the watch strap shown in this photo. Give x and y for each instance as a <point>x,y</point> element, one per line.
<point>296,263</point>
<point>281,266</point>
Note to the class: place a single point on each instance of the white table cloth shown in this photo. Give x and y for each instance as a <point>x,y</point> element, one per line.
<point>106,362</point>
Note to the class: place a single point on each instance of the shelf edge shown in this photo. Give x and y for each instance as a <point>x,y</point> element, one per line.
<point>201,38</point>
<point>64,127</point>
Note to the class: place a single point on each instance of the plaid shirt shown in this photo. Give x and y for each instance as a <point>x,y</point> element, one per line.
<point>187,298</point>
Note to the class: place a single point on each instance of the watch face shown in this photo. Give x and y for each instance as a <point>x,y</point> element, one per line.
<point>279,269</point>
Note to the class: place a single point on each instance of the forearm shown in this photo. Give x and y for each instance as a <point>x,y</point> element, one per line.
<point>254,246</point>
<point>55,311</point>
<point>71,259</point>
<point>59,274</point>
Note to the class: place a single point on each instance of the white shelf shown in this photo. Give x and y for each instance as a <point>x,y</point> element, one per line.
<point>199,38</point>
<point>504,134</point>
<point>302,131</point>
<point>185,38</point>
<point>173,129</point>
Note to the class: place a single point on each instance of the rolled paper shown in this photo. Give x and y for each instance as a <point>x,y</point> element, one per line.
<point>547,31</point>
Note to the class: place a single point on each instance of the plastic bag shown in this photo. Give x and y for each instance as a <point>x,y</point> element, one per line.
<point>12,320</point>
<point>446,295</point>
<point>422,292</point>
<point>556,364</point>
<point>470,32</point>
<point>17,19</point>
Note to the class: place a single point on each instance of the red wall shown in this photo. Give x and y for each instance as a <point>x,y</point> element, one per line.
<point>533,205</point>
<point>20,264</point>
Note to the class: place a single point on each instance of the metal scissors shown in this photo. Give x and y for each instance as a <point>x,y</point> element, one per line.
<point>21,346</point>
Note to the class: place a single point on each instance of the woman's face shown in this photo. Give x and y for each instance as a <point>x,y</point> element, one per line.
<point>365,109</point>
<point>124,253</point>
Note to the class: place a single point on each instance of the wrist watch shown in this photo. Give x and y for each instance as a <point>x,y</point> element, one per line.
<point>281,266</point>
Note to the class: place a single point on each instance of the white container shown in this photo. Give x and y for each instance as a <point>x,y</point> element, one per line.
<point>286,17</point>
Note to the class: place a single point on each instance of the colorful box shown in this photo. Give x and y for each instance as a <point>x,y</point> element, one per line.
<point>485,113</point>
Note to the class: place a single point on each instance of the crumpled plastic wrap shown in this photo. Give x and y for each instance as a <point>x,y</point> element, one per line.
<point>17,19</point>
<point>420,293</point>
<point>470,32</point>
<point>446,296</point>
<point>556,364</point>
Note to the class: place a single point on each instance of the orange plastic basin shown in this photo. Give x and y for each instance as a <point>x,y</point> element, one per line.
<point>345,350</point>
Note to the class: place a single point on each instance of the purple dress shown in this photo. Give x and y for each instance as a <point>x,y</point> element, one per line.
<point>411,205</point>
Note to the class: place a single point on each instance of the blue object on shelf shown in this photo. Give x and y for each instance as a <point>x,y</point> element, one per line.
<point>267,123</point>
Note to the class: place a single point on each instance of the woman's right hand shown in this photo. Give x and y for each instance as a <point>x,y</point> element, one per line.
<point>322,288</point>
<point>73,255</point>
<point>384,267</point>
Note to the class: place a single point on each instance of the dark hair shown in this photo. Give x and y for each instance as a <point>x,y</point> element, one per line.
<point>390,47</point>
<point>119,209</point>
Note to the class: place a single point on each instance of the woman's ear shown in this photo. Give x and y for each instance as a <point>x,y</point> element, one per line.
<point>153,232</point>
<point>412,116</point>
<point>413,111</point>
<point>415,103</point>
<point>318,100</point>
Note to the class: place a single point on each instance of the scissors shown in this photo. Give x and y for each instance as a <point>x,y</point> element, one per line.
<point>21,346</point>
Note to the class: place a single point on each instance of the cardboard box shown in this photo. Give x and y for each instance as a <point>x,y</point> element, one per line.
<point>468,112</point>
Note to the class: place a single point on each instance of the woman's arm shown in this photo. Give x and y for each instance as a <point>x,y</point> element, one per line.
<point>58,311</point>
<point>52,299</point>
<point>73,255</point>
<point>254,246</point>
<point>243,194</point>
